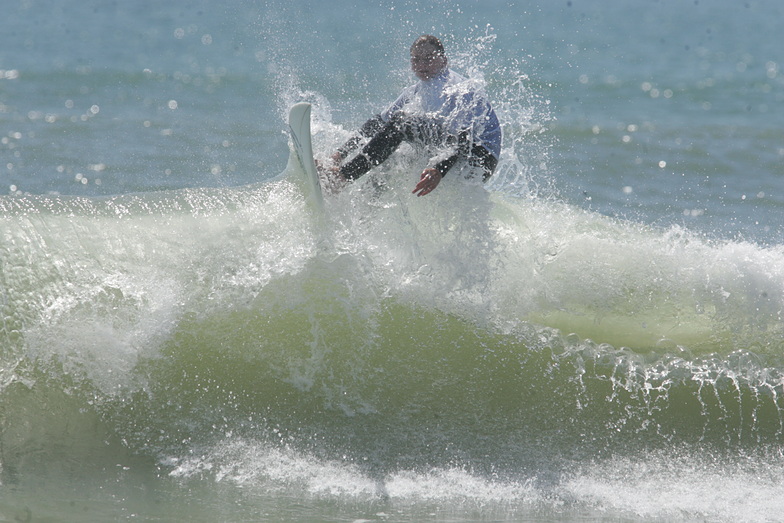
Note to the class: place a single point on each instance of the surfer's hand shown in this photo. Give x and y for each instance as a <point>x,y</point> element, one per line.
<point>336,158</point>
<point>331,179</point>
<point>428,180</point>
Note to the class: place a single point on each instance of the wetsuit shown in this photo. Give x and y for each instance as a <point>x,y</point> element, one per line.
<point>446,111</point>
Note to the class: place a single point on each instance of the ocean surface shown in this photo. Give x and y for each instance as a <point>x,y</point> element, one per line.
<point>596,335</point>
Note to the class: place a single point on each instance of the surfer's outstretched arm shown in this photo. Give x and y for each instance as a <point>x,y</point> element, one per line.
<point>476,155</point>
<point>368,130</point>
<point>333,172</point>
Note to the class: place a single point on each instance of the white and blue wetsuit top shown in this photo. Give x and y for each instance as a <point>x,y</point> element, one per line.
<point>460,105</point>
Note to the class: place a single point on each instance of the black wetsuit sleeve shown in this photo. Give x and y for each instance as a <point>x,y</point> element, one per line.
<point>477,156</point>
<point>368,130</point>
<point>443,166</point>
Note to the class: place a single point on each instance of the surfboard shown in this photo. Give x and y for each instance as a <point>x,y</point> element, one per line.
<point>299,125</point>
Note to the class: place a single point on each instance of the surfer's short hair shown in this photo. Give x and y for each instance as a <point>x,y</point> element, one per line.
<point>429,40</point>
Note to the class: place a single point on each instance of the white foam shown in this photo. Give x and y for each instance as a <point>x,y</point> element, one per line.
<point>684,487</point>
<point>250,463</point>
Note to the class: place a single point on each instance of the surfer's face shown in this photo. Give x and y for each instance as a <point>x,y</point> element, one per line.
<point>427,62</point>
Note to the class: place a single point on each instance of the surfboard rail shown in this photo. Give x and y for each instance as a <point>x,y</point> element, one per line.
<point>299,126</point>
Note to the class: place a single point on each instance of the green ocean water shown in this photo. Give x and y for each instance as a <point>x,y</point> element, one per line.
<point>595,335</point>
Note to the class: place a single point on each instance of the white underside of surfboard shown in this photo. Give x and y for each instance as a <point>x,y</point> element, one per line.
<point>299,125</point>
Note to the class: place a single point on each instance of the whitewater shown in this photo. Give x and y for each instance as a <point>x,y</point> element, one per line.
<point>595,334</point>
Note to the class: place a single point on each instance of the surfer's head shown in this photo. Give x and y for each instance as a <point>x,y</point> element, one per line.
<point>428,58</point>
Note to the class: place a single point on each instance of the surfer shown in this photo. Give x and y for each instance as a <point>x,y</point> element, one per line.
<point>442,110</point>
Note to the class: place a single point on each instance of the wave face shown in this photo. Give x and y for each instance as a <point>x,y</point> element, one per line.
<point>397,347</point>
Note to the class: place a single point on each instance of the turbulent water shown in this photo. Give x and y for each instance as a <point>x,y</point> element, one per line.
<point>594,335</point>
